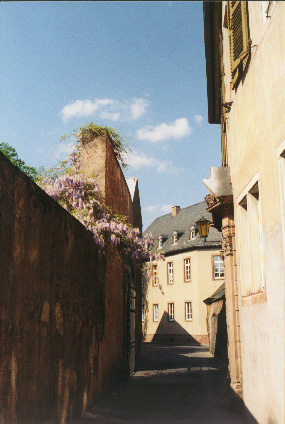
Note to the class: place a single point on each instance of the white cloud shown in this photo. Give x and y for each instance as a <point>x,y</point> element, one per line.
<point>81,108</point>
<point>141,160</point>
<point>163,208</point>
<point>151,208</point>
<point>106,108</point>
<point>199,120</point>
<point>64,148</point>
<point>166,208</point>
<point>112,116</point>
<point>138,107</point>
<point>178,129</point>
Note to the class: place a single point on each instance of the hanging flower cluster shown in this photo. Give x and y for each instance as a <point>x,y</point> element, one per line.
<point>81,197</point>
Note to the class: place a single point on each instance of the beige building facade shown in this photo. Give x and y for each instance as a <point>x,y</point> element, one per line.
<point>245,55</point>
<point>174,288</point>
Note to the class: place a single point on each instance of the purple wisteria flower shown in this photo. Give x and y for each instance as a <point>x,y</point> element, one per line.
<point>80,196</point>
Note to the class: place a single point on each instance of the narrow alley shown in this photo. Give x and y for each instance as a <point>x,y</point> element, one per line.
<point>173,384</point>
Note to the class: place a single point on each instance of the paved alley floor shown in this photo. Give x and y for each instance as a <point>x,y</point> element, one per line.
<point>173,384</point>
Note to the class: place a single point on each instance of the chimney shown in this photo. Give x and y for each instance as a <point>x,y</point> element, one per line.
<point>175,210</point>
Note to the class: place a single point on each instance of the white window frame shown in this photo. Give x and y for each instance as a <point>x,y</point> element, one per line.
<point>192,234</point>
<point>155,312</point>
<point>170,273</point>
<point>188,311</point>
<point>159,242</point>
<point>250,229</point>
<point>154,276</point>
<point>220,268</point>
<point>171,311</point>
<point>187,269</point>
<point>174,237</point>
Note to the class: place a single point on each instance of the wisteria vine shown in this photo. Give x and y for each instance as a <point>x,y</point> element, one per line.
<point>81,197</point>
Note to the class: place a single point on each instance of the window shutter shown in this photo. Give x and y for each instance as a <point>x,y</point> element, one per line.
<point>239,36</point>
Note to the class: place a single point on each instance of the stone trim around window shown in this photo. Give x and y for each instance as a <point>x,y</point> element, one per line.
<point>250,239</point>
<point>155,312</point>
<point>170,273</point>
<point>188,311</point>
<point>170,308</point>
<point>187,274</point>
<point>213,268</point>
<point>154,276</point>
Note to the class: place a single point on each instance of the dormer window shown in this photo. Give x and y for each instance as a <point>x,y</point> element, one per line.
<point>161,239</point>
<point>192,234</point>
<point>174,237</point>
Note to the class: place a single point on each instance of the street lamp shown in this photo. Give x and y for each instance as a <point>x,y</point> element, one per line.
<point>203,227</point>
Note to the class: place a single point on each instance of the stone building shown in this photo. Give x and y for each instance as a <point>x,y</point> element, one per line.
<point>174,289</point>
<point>245,65</point>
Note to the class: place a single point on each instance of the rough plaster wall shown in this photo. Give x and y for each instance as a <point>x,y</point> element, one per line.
<point>213,311</point>
<point>217,329</point>
<point>52,308</point>
<point>256,129</point>
<point>117,194</point>
<point>98,159</point>
<point>93,160</point>
<point>262,335</point>
<point>114,363</point>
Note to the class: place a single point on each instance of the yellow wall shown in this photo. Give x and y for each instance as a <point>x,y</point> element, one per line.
<point>201,286</point>
<point>255,133</point>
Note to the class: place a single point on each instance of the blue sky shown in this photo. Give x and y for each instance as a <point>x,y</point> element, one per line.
<point>136,66</point>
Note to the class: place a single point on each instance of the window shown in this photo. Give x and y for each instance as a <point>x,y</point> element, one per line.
<point>250,241</point>
<point>170,311</point>
<point>192,234</point>
<point>154,275</point>
<point>170,279</point>
<point>159,242</point>
<point>239,38</point>
<point>218,267</point>
<point>174,238</point>
<point>155,312</point>
<point>143,313</point>
<point>187,269</point>
<point>188,311</point>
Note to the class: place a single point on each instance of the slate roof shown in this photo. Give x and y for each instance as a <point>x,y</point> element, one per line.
<point>165,225</point>
<point>219,294</point>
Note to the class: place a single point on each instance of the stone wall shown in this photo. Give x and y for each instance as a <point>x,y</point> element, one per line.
<point>62,307</point>
<point>217,329</point>
<point>99,161</point>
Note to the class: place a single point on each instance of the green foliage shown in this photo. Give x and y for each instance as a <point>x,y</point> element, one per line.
<point>12,155</point>
<point>119,145</point>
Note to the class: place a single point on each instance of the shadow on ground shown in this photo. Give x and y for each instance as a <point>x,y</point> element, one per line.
<point>173,384</point>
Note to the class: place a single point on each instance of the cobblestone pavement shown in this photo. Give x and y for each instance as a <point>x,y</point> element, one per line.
<point>173,384</point>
